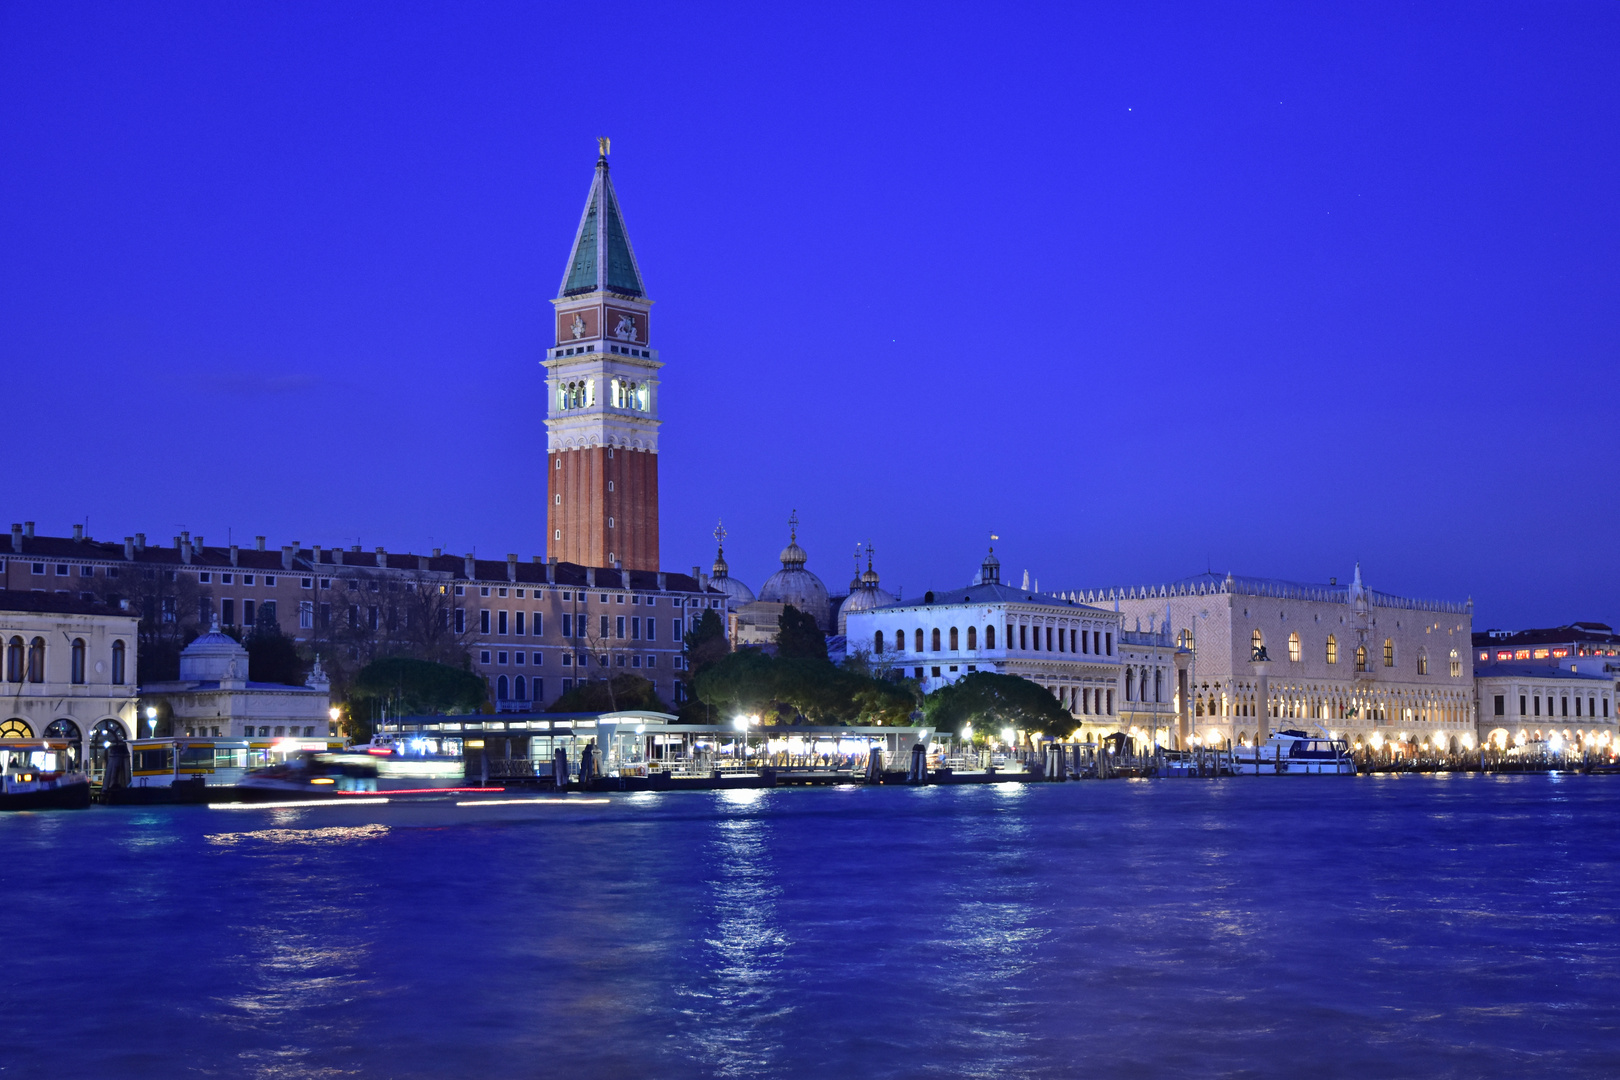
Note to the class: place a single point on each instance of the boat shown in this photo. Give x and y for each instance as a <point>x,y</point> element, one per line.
<point>366,769</point>
<point>1295,753</point>
<point>37,774</point>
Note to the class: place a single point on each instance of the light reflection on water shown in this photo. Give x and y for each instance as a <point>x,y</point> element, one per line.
<point>1458,926</point>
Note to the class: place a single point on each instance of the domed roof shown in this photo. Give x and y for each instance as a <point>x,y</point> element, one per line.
<point>795,585</point>
<point>213,656</point>
<point>736,592</point>
<point>864,595</point>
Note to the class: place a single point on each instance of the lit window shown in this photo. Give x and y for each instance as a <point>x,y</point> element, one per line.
<point>1332,649</point>
<point>1293,647</point>
<point>1389,652</point>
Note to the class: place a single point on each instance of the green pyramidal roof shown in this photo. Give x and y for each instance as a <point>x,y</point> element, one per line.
<point>601,258</point>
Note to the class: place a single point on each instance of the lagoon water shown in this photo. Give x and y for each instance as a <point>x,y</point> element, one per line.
<point>1379,926</point>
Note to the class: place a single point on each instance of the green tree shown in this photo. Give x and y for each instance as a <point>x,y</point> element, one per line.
<point>404,686</point>
<point>799,636</point>
<point>627,692</point>
<point>991,702</point>
<point>705,642</point>
<point>273,656</point>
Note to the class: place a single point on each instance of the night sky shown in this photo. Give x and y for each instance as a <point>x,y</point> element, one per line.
<point>1145,290</point>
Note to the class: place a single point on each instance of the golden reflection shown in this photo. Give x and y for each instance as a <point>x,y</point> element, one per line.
<point>336,834</point>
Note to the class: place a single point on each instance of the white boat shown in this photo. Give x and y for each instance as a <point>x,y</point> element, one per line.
<point>1295,753</point>
<point>38,774</point>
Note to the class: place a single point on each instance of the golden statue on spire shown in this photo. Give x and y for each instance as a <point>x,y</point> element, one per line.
<point>602,145</point>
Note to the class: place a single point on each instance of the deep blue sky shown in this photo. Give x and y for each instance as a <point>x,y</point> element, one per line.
<point>1146,290</point>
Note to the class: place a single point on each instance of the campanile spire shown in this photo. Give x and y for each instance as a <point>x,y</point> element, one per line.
<point>602,397</point>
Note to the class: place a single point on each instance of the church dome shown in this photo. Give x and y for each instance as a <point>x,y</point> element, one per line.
<point>864,595</point>
<point>213,657</point>
<point>736,592</point>
<point>795,585</point>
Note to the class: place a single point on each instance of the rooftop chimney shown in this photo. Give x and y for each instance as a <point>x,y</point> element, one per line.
<point>696,570</point>
<point>287,556</point>
<point>590,576</point>
<point>183,542</point>
<point>382,558</point>
<point>355,548</point>
<point>337,556</point>
<point>315,555</point>
<point>16,536</point>
<point>468,567</point>
<point>28,529</point>
<point>236,551</point>
<point>661,581</point>
<point>422,563</point>
<point>551,576</point>
<point>511,566</point>
<point>129,548</point>
<point>438,552</point>
<point>78,534</point>
<point>258,542</point>
<point>140,541</point>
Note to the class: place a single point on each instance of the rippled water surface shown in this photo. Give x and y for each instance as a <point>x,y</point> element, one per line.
<point>1381,926</point>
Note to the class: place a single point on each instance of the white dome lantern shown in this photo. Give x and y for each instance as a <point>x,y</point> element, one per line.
<point>795,585</point>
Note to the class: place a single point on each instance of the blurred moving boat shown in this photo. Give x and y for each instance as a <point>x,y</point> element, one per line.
<point>364,769</point>
<point>38,774</point>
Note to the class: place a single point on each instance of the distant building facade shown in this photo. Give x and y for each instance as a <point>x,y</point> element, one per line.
<point>1521,703</point>
<point>69,667</point>
<point>1554,646</point>
<point>213,696</point>
<point>1348,658</point>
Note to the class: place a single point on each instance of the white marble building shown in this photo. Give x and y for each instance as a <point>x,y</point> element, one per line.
<point>1347,657</point>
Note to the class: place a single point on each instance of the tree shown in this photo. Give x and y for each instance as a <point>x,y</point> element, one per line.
<point>750,681</point>
<point>623,691</point>
<point>405,686</point>
<point>799,636</point>
<point>990,702</point>
<point>173,607</point>
<point>368,615</point>
<point>273,656</point>
<point>705,642</point>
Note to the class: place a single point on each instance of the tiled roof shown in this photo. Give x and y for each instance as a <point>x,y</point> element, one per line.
<point>601,258</point>
<point>1550,635</point>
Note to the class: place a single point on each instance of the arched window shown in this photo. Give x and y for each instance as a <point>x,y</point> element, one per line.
<point>990,637</point>
<point>1389,652</point>
<point>500,688</point>
<point>1361,658</point>
<point>1456,667</point>
<point>1332,649</point>
<point>1423,662</point>
<point>1293,647</point>
<point>67,729</point>
<point>936,639</point>
<point>78,660</point>
<point>1257,641</point>
<point>973,638</point>
<point>1158,684</point>
<point>14,660</point>
<point>118,663</point>
<point>16,729</point>
<point>520,687</point>
<point>899,641</point>
<point>953,639</point>
<point>877,642</point>
<point>36,660</point>
<point>919,640</point>
<point>1198,707</point>
<point>1130,684</point>
<point>1186,639</point>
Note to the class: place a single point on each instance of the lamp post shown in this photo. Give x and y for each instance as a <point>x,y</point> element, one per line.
<point>151,721</point>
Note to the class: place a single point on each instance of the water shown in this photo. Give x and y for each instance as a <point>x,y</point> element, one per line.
<point>1381,926</point>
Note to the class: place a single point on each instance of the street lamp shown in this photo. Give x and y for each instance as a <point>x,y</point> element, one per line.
<point>151,721</point>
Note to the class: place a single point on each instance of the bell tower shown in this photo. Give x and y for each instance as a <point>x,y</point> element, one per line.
<point>602,398</point>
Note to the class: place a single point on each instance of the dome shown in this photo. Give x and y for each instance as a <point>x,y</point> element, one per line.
<point>864,595</point>
<point>737,594</point>
<point>795,585</point>
<point>213,657</point>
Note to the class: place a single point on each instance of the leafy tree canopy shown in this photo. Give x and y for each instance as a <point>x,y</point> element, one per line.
<point>749,682</point>
<point>628,692</point>
<point>273,656</point>
<point>417,687</point>
<point>991,702</point>
<point>706,641</point>
<point>799,636</point>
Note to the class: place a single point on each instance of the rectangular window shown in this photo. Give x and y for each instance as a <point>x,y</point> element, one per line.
<point>1110,652</point>
<point>567,625</point>
<point>1538,704</point>
<point>269,581</point>
<point>267,611</point>
<point>604,631</point>
<point>517,627</point>
<point>635,629</point>
<point>205,577</point>
<point>461,590</point>
<point>500,657</point>
<point>1522,708</point>
<point>326,616</point>
<point>618,627</point>
<point>1563,706</point>
<point>1501,705</point>
<point>247,579</point>
<point>306,615</point>
<point>652,630</point>
<point>483,622</point>
<point>568,659</point>
<point>483,656</point>
<point>1023,637</point>
<point>1048,639</point>
<point>225,579</point>
<point>539,624</point>
<point>568,684</point>
<point>483,590</point>
<point>247,613</point>
<point>675,629</point>
<point>501,621</point>
<point>1577,706</point>
<point>307,583</point>
<point>354,616</point>
<point>1110,697</point>
<point>518,657</point>
<point>39,568</point>
<point>461,621</point>
<point>371,617</point>
<point>326,583</point>
<point>62,569</point>
<point>539,689</point>
<point>1085,645</point>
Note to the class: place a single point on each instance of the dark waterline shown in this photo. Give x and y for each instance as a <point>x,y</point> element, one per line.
<point>1427,926</point>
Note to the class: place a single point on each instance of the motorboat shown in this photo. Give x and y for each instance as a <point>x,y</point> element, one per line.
<point>37,774</point>
<point>361,770</point>
<point>1295,753</point>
